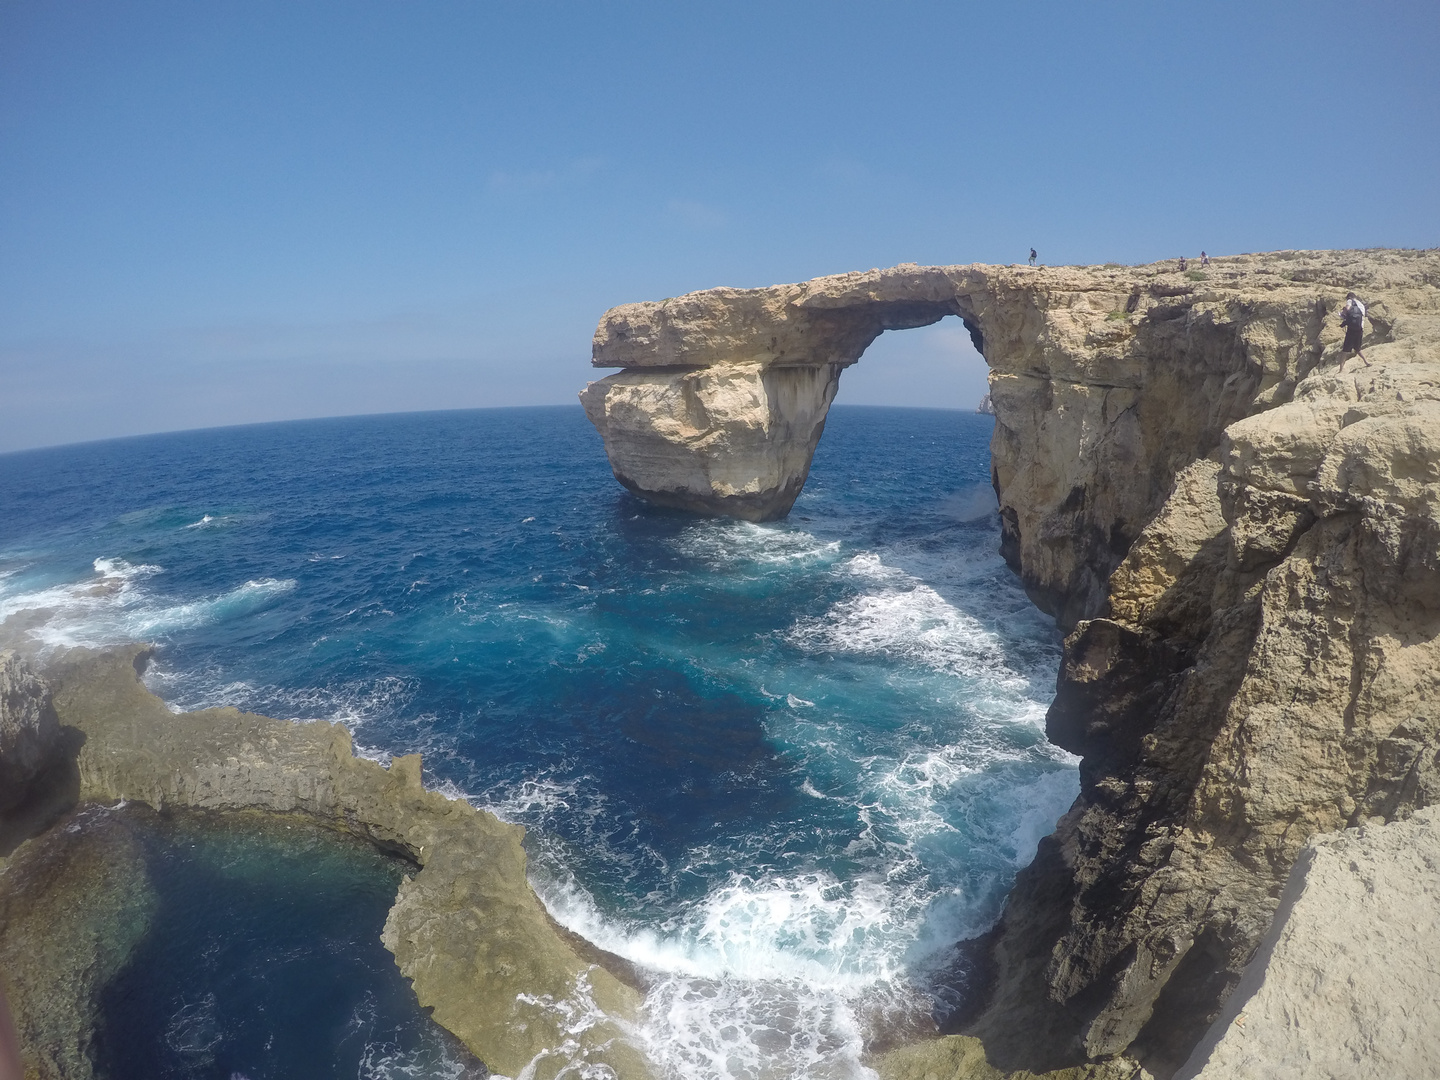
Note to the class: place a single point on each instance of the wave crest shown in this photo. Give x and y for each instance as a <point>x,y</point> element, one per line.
<point>115,607</point>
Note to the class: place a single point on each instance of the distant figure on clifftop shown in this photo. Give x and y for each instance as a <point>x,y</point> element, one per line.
<point>1032,256</point>
<point>1352,317</point>
<point>1204,259</point>
<point>1183,264</point>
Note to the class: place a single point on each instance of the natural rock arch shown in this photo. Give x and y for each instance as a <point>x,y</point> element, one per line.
<point>723,395</point>
<point>1257,669</point>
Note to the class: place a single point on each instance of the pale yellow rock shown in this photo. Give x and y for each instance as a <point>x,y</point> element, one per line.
<point>1106,381</point>
<point>1346,986</point>
<point>733,437</point>
<point>1263,664</point>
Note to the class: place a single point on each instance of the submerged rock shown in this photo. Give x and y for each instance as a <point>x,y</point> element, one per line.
<point>72,910</point>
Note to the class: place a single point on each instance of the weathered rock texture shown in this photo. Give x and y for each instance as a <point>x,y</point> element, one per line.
<point>72,910</point>
<point>1241,536</point>
<point>1345,986</point>
<point>465,928</point>
<point>29,733</point>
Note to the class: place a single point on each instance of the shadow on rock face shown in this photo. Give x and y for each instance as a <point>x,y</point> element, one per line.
<point>50,795</point>
<point>39,776</point>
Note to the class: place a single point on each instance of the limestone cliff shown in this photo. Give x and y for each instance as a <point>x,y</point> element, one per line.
<point>29,733</point>
<point>1240,535</point>
<point>1345,984</point>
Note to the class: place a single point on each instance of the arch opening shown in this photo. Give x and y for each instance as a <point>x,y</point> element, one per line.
<point>935,366</point>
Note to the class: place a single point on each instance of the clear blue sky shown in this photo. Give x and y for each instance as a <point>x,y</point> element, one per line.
<point>224,212</point>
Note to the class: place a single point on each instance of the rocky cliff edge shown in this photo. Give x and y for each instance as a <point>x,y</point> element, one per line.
<point>1238,528</point>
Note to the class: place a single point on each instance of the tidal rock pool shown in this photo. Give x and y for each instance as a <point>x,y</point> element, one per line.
<point>238,946</point>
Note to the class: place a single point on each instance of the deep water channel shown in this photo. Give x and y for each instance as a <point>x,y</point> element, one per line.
<point>780,768</point>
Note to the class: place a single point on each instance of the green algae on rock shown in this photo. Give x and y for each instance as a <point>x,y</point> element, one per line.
<point>962,1057</point>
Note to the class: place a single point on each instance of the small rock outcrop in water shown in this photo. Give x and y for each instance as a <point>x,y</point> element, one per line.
<point>1241,537</point>
<point>465,928</point>
<point>29,732</point>
<point>986,406</point>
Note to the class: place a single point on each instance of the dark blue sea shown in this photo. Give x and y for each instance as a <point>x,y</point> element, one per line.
<point>782,768</point>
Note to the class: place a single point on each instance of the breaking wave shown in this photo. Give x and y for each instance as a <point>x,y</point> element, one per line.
<point>117,605</point>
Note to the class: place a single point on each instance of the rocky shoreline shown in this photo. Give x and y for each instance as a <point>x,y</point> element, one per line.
<point>465,928</point>
<point>1237,529</point>
<point>1241,537</point>
<point>1350,955</point>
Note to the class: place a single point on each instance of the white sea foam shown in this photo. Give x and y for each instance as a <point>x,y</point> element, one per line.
<point>194,1031</point>
<point>974,503</point>
<point>791,974</point>
<point>384,1060</point>
<point>352,704</point>
<point>771,974</point>
<point>901,618</point>
<point>810,927</point>
<point>115,605</point>
<point>432,1057</point>
<point>734,545</point>
<point>534,799</point>
<point>766,977</point>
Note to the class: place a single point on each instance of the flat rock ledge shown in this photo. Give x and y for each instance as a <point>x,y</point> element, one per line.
<point>524,995</point>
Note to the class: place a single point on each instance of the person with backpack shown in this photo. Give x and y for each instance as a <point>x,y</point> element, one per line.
<point>1032,256</point>
<point>1352,317</point>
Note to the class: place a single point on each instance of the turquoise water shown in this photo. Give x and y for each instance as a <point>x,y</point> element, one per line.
<point>780,767</point>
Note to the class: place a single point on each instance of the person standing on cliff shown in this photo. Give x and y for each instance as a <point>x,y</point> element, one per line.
<point>1352,317</point>
<point>1032,256</point>
<point>1204,259</point>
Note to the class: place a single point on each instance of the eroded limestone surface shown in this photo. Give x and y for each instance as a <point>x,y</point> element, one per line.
<point>465,928</point>
<point>1345,986</point>
<point>1241,536</point>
